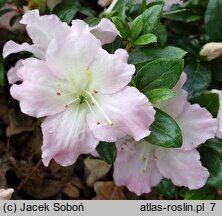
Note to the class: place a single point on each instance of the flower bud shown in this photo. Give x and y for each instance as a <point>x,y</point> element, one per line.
<point>5,194</point>
<point>211,50</point>
<point>104,3</point>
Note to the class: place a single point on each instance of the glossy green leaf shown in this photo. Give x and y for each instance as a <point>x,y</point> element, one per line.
<point>107,151</point>
<point>87,11</point>
<point>161,33</point>
<point>14,19</point>
<point>146,39</point>
<point>121,7</point>
<point>212,160</point>
<point>205,193</point>
<point>122,26</point>
<point>92,21</point>
<point>160,73</point>
<point>151,18</point>
<point>165,131</point>
<point>213,20</point>
<point>166,188</point>
<point>215,144</point>
<point>156,96</point>
<point>210,101</point>
<point>198,78</point>
<point>145,54</point>
<point>136,27</point>
<point>66,10</point>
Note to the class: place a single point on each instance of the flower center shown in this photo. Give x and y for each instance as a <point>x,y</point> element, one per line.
<point>76,89</point>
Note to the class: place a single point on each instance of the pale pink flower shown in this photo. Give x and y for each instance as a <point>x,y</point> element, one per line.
<point>82,91</point>
<point>5,194</point>
<point>140,165</point>
<point>43,29</point>
<point>211,50</point>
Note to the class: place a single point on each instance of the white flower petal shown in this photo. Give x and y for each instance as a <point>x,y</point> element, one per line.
<point>111,72</point>
<point>37,93</point>
<point>135,166</point>
<point>182,167</point>
<point>12,47</point>
<point>129,110</point>
<point>105,31</point>
<point>197,126</point>
<point>66,136</point>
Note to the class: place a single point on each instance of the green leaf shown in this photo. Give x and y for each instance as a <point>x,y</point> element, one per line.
<point>166,188</point>
<point>4,11</point>
<point>136,27</point>
<point>2,3</point>
<point>215,144</point>
<point>121,7</point>
<point>146,39</point>
<point>92,21</point>
<point>213,20</point>
<point>145,54</point>
<point>161,33</point>
<point>212,160</point>
<point>165,131</point>
<point>87,11</point>
<point>198,78</point>
<point>156,96</point>
<point>151,18</point>
<point>13,20</point>
<point>160,73</point>
<point>66,10</point>
<point>122,26</point>
<point>107,151</point>
<point>205,193</point>
<point>210,101</point>
<point>2,73</point>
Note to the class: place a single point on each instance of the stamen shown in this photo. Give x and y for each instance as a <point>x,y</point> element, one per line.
<point>98,123</point>
<point>68,104</point>
<point>95,91</point>
<point>91,110</point>
<point>58,93</point>
<point>146,158</point>
<point>100,108</point>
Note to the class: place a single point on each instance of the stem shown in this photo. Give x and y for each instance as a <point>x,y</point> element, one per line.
<point>113,4</point>
<point>128,47</point>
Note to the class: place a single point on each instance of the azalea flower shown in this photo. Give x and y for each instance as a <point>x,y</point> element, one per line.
<point>82,91</point>
<point>43,29</point>
<point>5,194</point>
<point>140,165</point>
